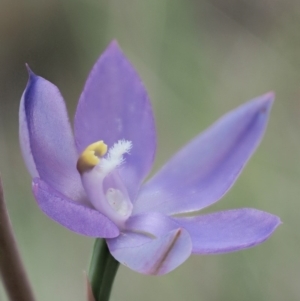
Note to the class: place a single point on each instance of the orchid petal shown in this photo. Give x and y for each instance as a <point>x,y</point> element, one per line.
<point>154,256</point>
<point>114,105</point>
<point>229,231</point>
<point>204,170</point>
<point>46,138</point>
<point>72,215</point>
<point>154,223</point>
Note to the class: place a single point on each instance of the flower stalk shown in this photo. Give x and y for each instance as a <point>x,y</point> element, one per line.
<point>103,268</point>
<point>12,271</point>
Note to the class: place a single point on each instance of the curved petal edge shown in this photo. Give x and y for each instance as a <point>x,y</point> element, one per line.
<point>72,215</point>
<point>230,230</point>
<point>152,256</point>
<point>46,138</point>
<point>207,167</point>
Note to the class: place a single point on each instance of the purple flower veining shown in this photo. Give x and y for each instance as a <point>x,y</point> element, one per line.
<point>92,183</point>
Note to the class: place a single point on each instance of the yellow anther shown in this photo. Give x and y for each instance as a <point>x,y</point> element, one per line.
<point>89,158</point>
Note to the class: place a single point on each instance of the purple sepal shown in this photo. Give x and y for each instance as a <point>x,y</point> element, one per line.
<point>114,105</point>
<point>204,170</point>
<point>46,138</point>
<point>72,215</point>
<point>152,256</point>
<point>229,231</point>
<point>154,223</point>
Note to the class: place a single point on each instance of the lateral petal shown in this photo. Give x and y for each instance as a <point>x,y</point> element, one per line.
<point>46,138</point>
<point>206,168</point>
<point>72,215</point>
<point>229,231</point>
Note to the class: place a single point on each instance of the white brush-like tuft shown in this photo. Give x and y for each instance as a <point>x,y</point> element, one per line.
<point>114,156</point>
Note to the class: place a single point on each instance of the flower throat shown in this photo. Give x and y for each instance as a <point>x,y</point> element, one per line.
<point>98,167</point>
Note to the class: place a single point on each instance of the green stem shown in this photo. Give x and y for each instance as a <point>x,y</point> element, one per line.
<point>103,268</point>
<point>111,269</point>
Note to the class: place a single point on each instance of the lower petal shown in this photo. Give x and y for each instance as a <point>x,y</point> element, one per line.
<point>72,215</point>
<point>229,231</point>
<point>154,223</point>
<point>152,256</point>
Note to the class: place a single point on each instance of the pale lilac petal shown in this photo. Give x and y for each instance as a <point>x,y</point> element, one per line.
<point>72,215</point>
<point>229,231</point>
<point>114,105</point>
<point>154,223</point>
<point>46,138</point>
<point>204,170</point>
<point>154,256</point>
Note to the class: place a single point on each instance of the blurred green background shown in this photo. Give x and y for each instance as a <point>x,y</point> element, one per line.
<point>198,59</point>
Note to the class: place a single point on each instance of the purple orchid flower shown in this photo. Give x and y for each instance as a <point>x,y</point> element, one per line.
<point>92,184</point>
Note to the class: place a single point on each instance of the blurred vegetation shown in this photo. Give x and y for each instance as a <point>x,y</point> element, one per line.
<point>198,60</point>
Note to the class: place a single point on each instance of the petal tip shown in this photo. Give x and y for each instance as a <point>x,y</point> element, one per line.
<point>114,46</point>
<point>31,74</point>
<point>271,95</point>
<point>262,104</point>
<point>32,77</point>
<point>267,101</point>
<point>279,221</point>
<point>114,43</point>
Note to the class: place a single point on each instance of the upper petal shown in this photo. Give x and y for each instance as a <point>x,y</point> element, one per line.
<point>46,138</point>
<point>114,105</point>
<point>203,171</point>
<point>72,215</point>
<point>154,256</point>
<point>228,231</point>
